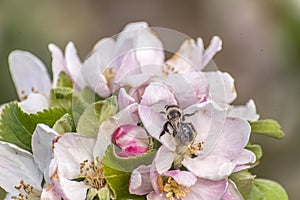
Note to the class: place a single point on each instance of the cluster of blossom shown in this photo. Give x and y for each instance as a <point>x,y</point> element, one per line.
<point>168,121</point>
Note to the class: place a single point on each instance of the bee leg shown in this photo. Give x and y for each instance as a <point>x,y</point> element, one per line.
<point>165,129</point>
<point>194,131</point>
<point>188,115</point>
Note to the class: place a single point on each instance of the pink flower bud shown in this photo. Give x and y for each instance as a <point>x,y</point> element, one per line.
<point>133,140</point>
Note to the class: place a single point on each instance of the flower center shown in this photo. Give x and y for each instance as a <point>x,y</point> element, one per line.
<point>171,188</point>
<point>195,147</point>
<point>93,174</point>
<point>109,74</point>
<point>26,192</point>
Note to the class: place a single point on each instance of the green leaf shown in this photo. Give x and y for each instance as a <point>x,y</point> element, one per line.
<point>17,126</point>
<point>267,189</point>
<point>256,149</point>
<point>256,194</point>
<point>267,127</point>
<point>62,97</point>
<point>81,100</point>
<point>117,171</point>
<point>64,80</point>
<point>244,181</point>
<point>95,114</point>
<point>118,182</point>
<point>64,124</point>
<point>127,164</point>
<point>14,127</point>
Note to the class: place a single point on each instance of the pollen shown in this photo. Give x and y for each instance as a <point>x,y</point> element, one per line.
<point>196,147</point>
<point>171,188</point>
<point>109,74</point>
<point>93,174</point>
<point>26,191</point>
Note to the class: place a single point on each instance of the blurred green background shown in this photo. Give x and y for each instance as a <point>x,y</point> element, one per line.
<point>261,49</point>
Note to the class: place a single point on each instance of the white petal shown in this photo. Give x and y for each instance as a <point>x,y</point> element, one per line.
<point>214,47</point>
<point>105,48</point>
<point>29,74</point>
<point>221,87</point>
<point>34,103</point>
<point>234,137</point>
<point>155,196</point>
<point>129,66</point>
<point>163,159</point>
<point>207,190</point>
<point>189,88</point>
<point>140,182</point>
<point>184,178</point>
<point>62,188</point>
<point>124,99</point>
<point>247,112</point>
<point>16,165</point>
<point>74,65</point>
<point>211,167</point>
<point>149,49</point>
<point>42,140</point>
<point>58,62</point>
<point>71,150</point>
<point>187,59</point>
<point>208,121</point>
<point>158,93</point>
<point>92,74</point>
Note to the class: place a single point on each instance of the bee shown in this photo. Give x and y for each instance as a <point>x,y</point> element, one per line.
<point>175,125</point>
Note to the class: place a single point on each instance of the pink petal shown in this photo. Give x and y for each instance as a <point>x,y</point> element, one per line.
<point>189,88</point>
<point>132,139</point>
<point>155,196</point>
<point>124,99</point>
<point>245,157</point>
<point>233,138</point>
<point>184,178</point>
<point>232,192</point>
<point>140,182</point>
<point>128,67</point>
<point>210,167</point>
<point>158,93</point>
<point>206,190</point>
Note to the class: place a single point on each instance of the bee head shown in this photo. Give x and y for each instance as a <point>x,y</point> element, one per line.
<point>173,112</point>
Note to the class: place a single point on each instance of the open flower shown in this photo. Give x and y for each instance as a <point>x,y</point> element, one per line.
<point>22,173</point>
<point>32,80</point>
<point>174,184</point>
<point>217,149</point>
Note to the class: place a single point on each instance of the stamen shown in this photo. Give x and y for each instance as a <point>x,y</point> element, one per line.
<point>27,192</point>
<point>93,174</point>
<point>109,74</point>
<point>171,188</point>
<point>196,147</point>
